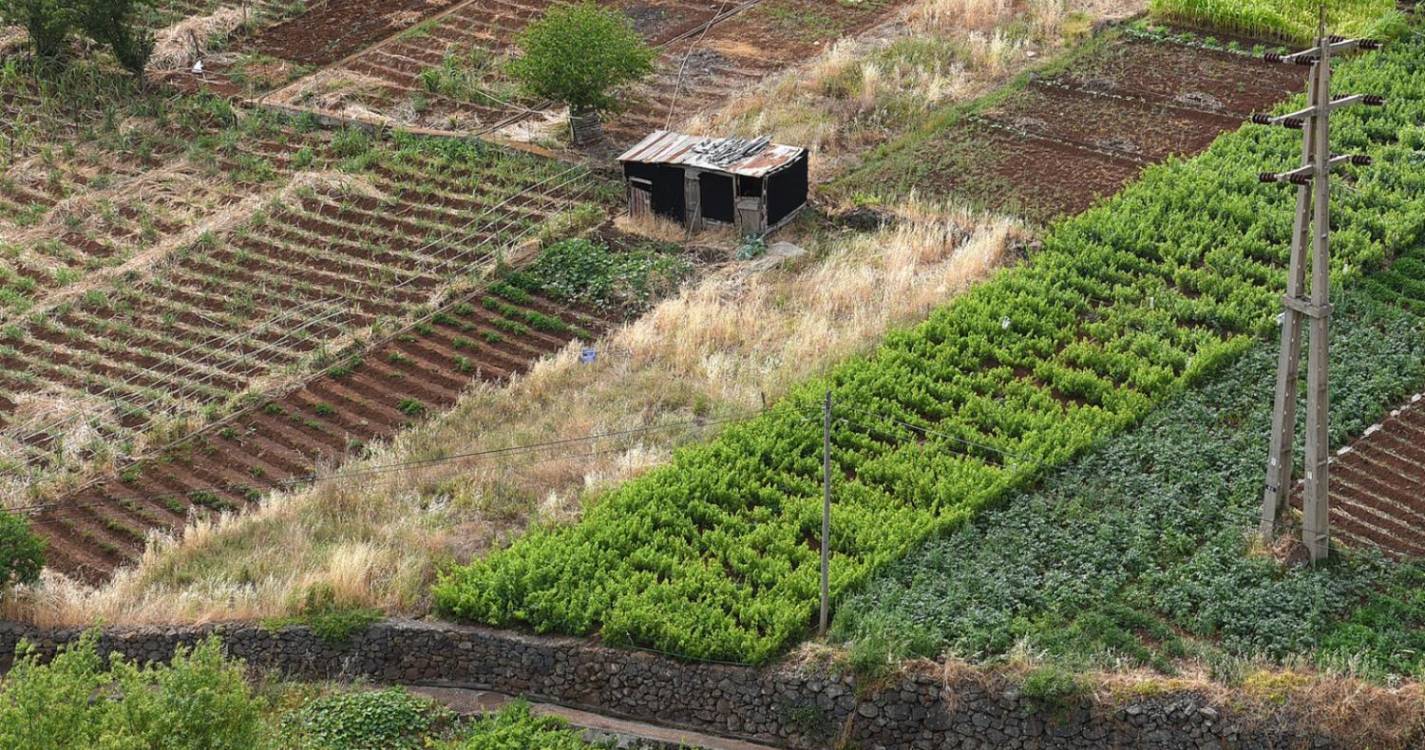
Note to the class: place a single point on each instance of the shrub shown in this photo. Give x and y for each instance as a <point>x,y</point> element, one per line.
<point>1052,686</point>
<point>200,701</point>
<point>330,619</point>
<point>390,719</point>
<point>21,552</point>
<point>116,23</point>
<point>578,54</point>
<point>516,728</point>
<point>48,23</point>
<point>586,272</point>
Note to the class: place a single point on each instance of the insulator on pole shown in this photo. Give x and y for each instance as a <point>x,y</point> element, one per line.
<point>1369,44</point>
<point>1307,60</point>
<point>1272,57</point>
<point>1301,179</point>
<point>1293,123</point>
<point>1267,177</point>
<point>1361,160</point>
<point>1335,39</point>
<point>1373,100</point>
<point>1262,119</point>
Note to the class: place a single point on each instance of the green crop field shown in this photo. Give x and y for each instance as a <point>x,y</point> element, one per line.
<point>1285,20</point>
<point>715,556</point>
<point>1136,553</point>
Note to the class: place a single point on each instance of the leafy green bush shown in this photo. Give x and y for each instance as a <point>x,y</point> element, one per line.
<point>1146,537</point>
<point>1052,686</point>
<point>201,701</point>
<point>390,719</point>
<point>47,22</point>
<point>578,54</point>
<point>21,552</point>
<point>516,728</point>
<point>715,555</point>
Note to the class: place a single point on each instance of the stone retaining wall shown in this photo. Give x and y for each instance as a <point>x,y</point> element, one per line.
<point>792,706</point>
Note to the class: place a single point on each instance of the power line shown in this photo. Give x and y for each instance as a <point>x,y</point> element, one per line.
<point>683,66</point>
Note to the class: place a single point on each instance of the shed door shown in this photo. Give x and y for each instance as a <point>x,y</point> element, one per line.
<point>640,198</point>
<point>749,216</point>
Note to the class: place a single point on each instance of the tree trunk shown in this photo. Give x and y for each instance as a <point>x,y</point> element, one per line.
<point>585,128</point>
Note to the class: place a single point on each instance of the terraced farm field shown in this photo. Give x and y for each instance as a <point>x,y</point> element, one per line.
<point>1378,485</point>
<point>710,50</point>
<point>704,71</point>
<point>227,257</point>
<point>1068,139</point>
<point>491,335</point>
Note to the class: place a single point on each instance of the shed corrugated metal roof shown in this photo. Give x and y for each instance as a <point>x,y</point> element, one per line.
<point>749,158</point>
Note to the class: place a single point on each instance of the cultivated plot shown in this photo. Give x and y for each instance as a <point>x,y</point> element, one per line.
<point>280,443</point>
<point>446,74</point>
<point>1065,140</point>
<point>296,243</point>
<point>1378,486</point>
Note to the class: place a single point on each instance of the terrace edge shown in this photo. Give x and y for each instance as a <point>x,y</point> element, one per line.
<point>792,705</point>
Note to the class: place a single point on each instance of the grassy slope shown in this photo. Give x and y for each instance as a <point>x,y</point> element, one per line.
<point>715,557</point>
<point>1137,552</point>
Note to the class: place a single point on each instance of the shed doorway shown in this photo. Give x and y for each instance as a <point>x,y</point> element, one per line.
<point>640,198</point>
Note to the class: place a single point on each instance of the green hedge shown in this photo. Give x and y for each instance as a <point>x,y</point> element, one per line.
<point>715,555</point>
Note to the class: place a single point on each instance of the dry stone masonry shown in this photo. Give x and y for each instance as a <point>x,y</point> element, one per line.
<point>800,707</point>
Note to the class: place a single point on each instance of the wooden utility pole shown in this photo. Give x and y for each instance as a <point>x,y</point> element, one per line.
<point>1308,308</point>
<point>825,513</point>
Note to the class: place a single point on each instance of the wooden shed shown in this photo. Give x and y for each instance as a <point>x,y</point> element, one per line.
<point>753,185</point>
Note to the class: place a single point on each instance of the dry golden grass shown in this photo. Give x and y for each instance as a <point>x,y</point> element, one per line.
<point>716,349</point>
<point>174,47</point>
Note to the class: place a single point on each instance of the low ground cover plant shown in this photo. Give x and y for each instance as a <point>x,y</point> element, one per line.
<point>1137,553</point>
<point>715,556</point>
<point>390,719</point>
<point>585,271</point>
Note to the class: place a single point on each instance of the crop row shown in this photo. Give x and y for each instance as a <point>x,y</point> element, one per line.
<point>715,555</point>
<point>282,441</point>
<point>391,73</point>
<point>1139,552</point>
<point>328,261</point>
<point>85,204</point>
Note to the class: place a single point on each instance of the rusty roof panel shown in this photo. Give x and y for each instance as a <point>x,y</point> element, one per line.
<point>748,158</point>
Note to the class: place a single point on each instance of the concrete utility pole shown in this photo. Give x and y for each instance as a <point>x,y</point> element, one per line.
<point>825,513</point>
<point>1312,229</point>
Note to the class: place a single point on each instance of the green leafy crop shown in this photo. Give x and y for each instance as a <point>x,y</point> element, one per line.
<point>715,556</point>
